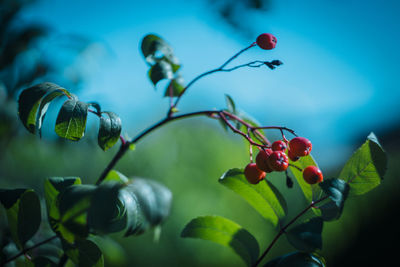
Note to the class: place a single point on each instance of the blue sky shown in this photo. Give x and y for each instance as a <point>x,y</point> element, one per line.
<point>339,80</point>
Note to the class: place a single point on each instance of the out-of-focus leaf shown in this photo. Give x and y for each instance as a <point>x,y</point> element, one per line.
<point>263,197</point>
<point>109,131</point>
<point>71,120</point>
<point>85,253</point>
<point>298,259</point>
<point>230,104</point>
<point>115,176</point>
<point>306,236</point>
<point>159,71</point>
<point>155,49</point>
<point>225,232</point>
<point>73,204</point>
<point>147,204</point>
<point>337,190</point>
<point>366,167</point>
<point>175,87</point>
<point>23,213</point>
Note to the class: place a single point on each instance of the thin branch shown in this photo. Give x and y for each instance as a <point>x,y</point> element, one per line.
<point>22,252</point>
<point>283,229</point>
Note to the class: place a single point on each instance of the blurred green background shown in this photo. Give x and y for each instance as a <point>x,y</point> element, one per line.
<point>188,156</point>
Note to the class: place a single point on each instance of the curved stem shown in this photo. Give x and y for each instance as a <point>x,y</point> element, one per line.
<point>283,229</point>
<point>22,252</point>
<point>221,68</point>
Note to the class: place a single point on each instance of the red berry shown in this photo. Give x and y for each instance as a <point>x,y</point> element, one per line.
<point>278,161</point>
<point>300,146</point>
<point>279,146</point>
<point>292,157</point>
<point>262,160</point>
<point>253,174</point>
<point>266,41</point>
<point>312,175</point>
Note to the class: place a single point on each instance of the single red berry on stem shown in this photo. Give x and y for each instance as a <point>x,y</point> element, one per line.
<point>312,175</point>
<point>262,160</point>
<point>266,41</point>
<point>279,146</point>
<point>278,161</point>
<point>253,174</point>
<point>300,146</point>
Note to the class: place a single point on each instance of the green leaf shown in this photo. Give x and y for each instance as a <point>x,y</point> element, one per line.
<point>96,106</point>
<point>116,177</point>
<point>23,213</point>
<point>311,192</point>
<point>85,253</point>
<point>42,261</point>
<point>230,104</point>
<point>225,232</point>
<point>298,259</point>
<point>107,213</point>
<point>109,131</point>
<point>263,197</point>
<point>147,204</point>
<point>161,70</point>
<point>337,190</point>
<point>30,100</point>
<point>74,202</point>
<point>175,87</point>
<point>366,167</point>
<point>71,120</point>
<point>44,105</point>
<point>155,49</point>
<point>306,236</point>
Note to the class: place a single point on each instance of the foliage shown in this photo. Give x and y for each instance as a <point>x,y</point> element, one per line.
<point>79,213</point>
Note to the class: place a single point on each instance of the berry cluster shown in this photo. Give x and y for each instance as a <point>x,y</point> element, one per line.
<point>275,159</point>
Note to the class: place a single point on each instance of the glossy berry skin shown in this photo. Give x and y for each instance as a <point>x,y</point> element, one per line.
<point>292,157</point>
<point>300,146</point>
<point>253,174</point>
<point>266,41</point>
<point>312,175</point>
<point>278,161</point>
<point>279,146</point>
<point>262,160</point>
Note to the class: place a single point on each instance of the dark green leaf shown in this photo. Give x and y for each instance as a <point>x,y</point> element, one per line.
<point>44,105</point>
<point>225,232</point>
<point>159,71</point>
<point>109,131</point>
<point>107,213</point>
<point>71,120</point>
<point>366,167</point>
<point>147,204</point>
<point>23,213</point>
<point>298,259</point>
<point>264,197</point>
<point>306,236</point>
<point>155,49</point>
<point>175,87</point>
<point>337,190</point>
<point>96,106</point>
<point>42,261</point>
<point>29,216</point>
<point>74,202</point>
<point>85,253</point>
<point>29,102</point>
